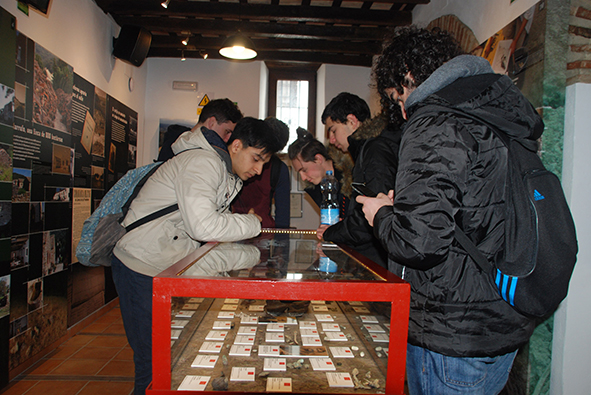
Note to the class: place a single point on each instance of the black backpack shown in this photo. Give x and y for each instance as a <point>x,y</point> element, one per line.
<point>540,238</point>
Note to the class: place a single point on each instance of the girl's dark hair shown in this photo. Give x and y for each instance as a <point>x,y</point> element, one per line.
<point>410,49</point>
<point>257,134</point>
<point>307,147</point>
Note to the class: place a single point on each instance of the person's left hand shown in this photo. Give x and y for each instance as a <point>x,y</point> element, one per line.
<point>320,231</point>
<point>251,211</point>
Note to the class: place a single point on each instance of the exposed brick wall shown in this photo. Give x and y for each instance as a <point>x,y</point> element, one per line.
<point>578,67</point>
<point>462,33</point>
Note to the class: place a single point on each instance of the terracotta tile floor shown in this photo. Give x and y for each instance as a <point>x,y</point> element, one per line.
<point>95,361</point>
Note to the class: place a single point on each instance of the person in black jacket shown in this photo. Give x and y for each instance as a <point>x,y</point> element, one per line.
<point>373,145</point>
<point>463,337</point>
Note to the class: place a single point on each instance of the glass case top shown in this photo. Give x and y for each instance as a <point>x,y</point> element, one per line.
<point>289,256</point>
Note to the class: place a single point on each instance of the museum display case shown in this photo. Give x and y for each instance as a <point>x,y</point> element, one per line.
<point>281,312</point>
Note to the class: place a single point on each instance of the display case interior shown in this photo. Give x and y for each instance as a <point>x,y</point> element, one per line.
<point>279,313</point>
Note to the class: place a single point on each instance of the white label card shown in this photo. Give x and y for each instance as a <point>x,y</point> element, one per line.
<point>341,352</point>
<point>368,319</point>
<point>322,364</point>
<point>242,374</point>
<point>256,307</point>
<point>380,337</point>
<point>178,324</point>
<point>339,379</point>
<point>232,301</point>
<point>249,320</point>
<point>191,306</point>
<point>175,333</point>
<point>309,332</point>
<point>244,339</point>
<point>324,318</point>
<point>226,315</point>
<point>247,330</point>
<point>211,347</point>
<point>336,337</point>
<point>362,310</point>
<point>307,325</point>
<point>222,324</point>
<point>194,383</point>
<point>204,361</point>
<point>320,308</point>
<point>229,307</point>
<point>311,341</point>
<point>278,384</point>
<point>216,335</point>
<point>275,327</point>
<point>274,337</point>
<point>275,364</point>
<point>374,328</point>
<point>184,314</point>
<point>241,351</point>
<point>331,327</point>
<point>268,351</point>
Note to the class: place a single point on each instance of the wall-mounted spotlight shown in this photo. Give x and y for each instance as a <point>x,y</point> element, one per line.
<point>203,54</point>
<point>165,3</point>
<point>185,41</point>
<point>183,56</point>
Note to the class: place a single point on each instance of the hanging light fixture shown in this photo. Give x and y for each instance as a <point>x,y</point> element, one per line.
<point>203,54</point>
<point>165,3</point>
<point>238,46</point>
<point>183,56</point>
<point>185,41</point>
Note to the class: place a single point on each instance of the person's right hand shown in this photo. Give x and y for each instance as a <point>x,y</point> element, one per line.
<point>372,205</point>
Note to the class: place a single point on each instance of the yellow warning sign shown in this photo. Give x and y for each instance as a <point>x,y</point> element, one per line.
<point>204,101</point>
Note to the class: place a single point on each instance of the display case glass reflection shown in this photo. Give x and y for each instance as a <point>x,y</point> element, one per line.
<point>280,256</point>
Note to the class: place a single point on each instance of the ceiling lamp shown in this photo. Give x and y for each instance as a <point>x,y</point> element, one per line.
<point>183,56</point>
<point>203,54</point>
<point>185,41</point>
<point>238,46</point>
<point>165,3</point>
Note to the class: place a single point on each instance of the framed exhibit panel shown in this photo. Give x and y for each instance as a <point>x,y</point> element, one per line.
<point>281,312</point>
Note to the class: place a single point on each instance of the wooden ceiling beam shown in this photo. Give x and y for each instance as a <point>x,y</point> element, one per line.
<point>263,12</point>
<point>304,57</point>
<point>181,26</point>
<point>196,43</point>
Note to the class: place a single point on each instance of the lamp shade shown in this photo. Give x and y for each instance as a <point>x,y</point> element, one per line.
<point>238,46</point>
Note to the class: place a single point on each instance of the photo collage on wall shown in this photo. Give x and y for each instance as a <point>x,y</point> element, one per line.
<point>64,143</point>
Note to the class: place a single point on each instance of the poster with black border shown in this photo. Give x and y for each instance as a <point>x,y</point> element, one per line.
<point>121,138</point>
<point>42,175</point>
<point>7,108</point>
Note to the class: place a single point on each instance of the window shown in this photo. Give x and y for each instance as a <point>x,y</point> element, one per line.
<point>292,98</point>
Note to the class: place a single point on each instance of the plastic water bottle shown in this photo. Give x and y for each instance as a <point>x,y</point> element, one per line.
<point>329,209</point>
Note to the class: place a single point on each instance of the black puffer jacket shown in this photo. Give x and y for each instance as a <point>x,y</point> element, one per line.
<point>376,163</point>
<point>453,170</point>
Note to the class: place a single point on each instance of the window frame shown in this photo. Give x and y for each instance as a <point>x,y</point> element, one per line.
<point>293,73</point>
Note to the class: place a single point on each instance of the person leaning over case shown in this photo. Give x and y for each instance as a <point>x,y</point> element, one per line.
<point>203,177</point>
<point>373,145</point>
<point>463,337</point>
<point>310,158</point>
<point>273,184</point>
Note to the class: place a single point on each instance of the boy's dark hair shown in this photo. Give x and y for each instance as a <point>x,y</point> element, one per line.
<point>410,49</point>
<point>307,147</point>
<point>343,104</point>
<point>280,129</point>
<point>223,110</point>
<point>257,134</point>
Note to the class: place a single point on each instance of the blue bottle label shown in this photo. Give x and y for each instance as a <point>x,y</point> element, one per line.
<point>329,216</point>
<point>327,265</point>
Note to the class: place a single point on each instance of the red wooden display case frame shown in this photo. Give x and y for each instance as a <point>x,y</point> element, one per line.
<point>170,284</point>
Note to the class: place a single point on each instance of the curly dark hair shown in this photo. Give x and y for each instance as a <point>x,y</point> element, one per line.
<point>415,50</point>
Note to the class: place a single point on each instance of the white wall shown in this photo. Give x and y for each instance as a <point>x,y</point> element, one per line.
<point>218,79</point>
<point>571,352</point>
<point>80,34</point>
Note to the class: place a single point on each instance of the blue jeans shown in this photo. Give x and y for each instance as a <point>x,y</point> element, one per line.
<point>135,301</point>
<point>430,373</point>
